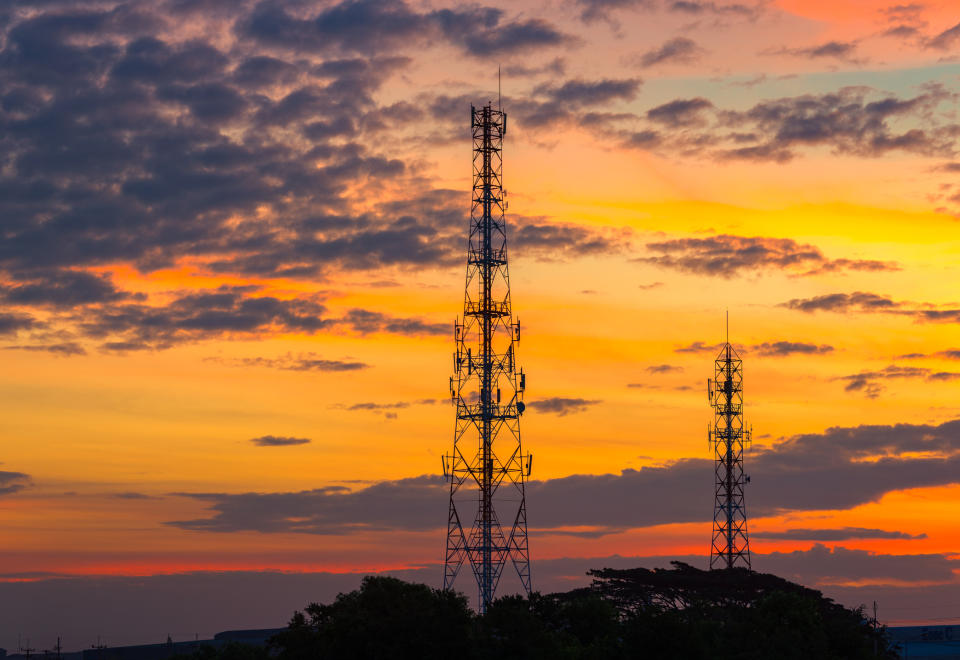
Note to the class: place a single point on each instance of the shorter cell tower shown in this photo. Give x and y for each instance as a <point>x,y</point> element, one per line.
<point>730,547</point>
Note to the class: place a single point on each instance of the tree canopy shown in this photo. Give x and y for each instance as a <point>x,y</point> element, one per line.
<point>682,612</point>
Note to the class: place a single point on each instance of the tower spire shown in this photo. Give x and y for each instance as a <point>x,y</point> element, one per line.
<point>487,468</point>
<point>730,546</point>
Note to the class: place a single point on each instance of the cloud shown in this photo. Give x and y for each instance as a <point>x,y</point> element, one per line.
<point>580,93</point>
<point>291,362</point>
<point>65,349</point>
<point>367,322</point>
<point>851,465</point>
<point>388,409</point>
<point>13,323</point>
<point>402,504</point>
<point>593,10</point>
<point>371,26</point>
<point>842,302</point>
<point>725,255</point>
<point>946,39</point>
<point>64,288</point>
<point>699,347</point>
<point>562,406</point>
<point>853,120</point>
<point>869,382</point>
<point>224,313</point>
<point>13,482</point>
<point>784,348</point>
<point>842,534</point>
<point>702,7</point>
<point>679,50</point>
<point>949,354</point>
<point>132,495</point>
<point>279,441</point>
<point>663,369</point>
<point>680,113</point>
<point>864,302</point>
<point>842,50</point>
<point>555,240</point>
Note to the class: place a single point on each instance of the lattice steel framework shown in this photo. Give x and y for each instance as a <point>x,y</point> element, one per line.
<point>730,546</point>
<point>487,468</point>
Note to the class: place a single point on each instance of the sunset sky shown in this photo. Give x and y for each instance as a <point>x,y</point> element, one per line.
<point>233,251</point>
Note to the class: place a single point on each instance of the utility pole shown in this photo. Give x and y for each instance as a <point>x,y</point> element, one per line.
<point>487,468</point>
<point>730,546</point>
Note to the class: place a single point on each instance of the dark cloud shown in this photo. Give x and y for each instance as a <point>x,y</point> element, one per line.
<point>766,349</point>
<point>849,121</point>
<point>843,302</point>
<point>132,495</point>
<point>727,256</point>
<point>593,10</point>
<point>279,441</point>
<point>223,312</point>
<point>703,7</point>
<point>949,354</point>
<point>562,406</point>
<point>679,50</point>
<point>663,369</point>
<point>870,383</point>
<point>842,534</point>
<point>679,113</point>
<point>331,510</point>
<point>235,312</point>
<point>13,323</point>
<point>851,467</point>
<point>367,322</point>
<point>65,349</point>
<point>64,289</point>
<point>784,348</point>
<point>554,241</point>
<point>13,482</point>
<point>579,93</point>
<point>946,39</point>
<point>291,362</point>
<point>863,302</point>
<point>373,26</point>
<point>699,347</point>
<point>556,67</point>
<point>841,50</point>
<point>387,409</point>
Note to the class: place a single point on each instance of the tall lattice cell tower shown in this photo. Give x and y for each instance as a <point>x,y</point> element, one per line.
<point>487,468</point>
<point>730,547</point>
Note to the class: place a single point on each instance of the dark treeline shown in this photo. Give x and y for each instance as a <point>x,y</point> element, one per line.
<point>636,613</point>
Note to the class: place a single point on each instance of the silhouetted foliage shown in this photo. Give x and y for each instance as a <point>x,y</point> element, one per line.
<point>229,651</point>
<point>681,612</point>
<point>386,618</point>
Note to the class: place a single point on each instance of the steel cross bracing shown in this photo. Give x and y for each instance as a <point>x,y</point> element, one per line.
<point>487,468</point>
<point>730,546</point>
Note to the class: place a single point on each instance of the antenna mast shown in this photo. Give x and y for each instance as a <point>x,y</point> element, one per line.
<point>730,546</point>
<point>487,468</point>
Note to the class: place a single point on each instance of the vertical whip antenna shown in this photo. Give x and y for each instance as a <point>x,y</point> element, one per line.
<point>730,546</point>
<point>487,468</point>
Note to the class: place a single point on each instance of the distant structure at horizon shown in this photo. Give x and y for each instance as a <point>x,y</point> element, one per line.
<point>730,546</point>
<point>487,468</point>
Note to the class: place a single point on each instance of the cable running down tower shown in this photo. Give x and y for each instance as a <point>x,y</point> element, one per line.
<point>487,468</point>
<point>730,547</point>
